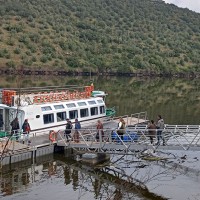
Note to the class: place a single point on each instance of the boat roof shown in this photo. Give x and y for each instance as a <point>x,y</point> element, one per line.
<point>41,95</point>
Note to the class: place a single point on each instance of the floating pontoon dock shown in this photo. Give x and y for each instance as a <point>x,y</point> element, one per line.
<point>177,137</point>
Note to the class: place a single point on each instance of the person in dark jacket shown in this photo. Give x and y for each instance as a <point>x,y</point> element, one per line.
<point>152,131</point>
<point>26,127</point>
<point>15,127</point>
<point>68,130</point>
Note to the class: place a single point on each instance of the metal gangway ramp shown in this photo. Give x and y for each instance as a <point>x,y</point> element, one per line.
<point>177,137</point>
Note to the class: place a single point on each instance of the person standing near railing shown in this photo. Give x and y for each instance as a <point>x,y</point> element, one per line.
<point>160,126</point>
<point>68,130</point>
<point>121,128</point>
<point>77,129</point>
<point>99,130</point>
<point>26,130</point>
<point>15,127</point>
<point>152,131</point>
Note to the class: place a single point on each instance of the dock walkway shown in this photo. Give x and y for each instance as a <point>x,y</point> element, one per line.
<point>177,137</point>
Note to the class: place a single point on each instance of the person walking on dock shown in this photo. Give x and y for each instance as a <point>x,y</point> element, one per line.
<point>121,128</point>
<point>160,126</point>
<point>152,131</point>
<point>99,131</point>
<point>26,130</point>
<point>68,130</point>
<point>77,129</point>
<point>15,127</point>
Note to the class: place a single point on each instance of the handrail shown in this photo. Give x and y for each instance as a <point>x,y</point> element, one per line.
<point>184,136</point>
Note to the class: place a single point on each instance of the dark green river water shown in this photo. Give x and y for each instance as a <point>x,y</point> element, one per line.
<point>177,100</point>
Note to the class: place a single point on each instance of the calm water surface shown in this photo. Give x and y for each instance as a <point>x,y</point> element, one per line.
<point>60,178</point>
<point>178,101</point>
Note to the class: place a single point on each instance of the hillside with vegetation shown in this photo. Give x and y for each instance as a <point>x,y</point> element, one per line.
<point>99,35</point>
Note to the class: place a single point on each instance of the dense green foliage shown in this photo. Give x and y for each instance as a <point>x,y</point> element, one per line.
<point>102,35</point>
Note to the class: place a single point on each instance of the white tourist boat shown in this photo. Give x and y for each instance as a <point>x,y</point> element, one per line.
<point>47,108</point>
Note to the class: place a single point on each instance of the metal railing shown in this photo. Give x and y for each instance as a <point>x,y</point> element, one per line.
<point>137,133</point>
<point>183,137</point>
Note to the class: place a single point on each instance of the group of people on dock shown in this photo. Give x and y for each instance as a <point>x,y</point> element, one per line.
<point>25,130</point>
<point>156,129</point>
<point>76,135</point>
<point>68,130</point>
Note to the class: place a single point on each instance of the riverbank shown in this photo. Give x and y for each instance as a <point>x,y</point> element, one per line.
<point>36,72</point>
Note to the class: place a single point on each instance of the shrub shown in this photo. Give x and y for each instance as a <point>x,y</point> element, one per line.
<point>17,50</point>
<point>44,59</point>
<point>10,64</point>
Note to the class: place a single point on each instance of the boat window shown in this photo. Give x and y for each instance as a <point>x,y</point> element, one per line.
<point>71,105</point>
<point>61,116</point>
<point>81,103</point>
<point>49,118</point>
<point>94,111</point>
<point>102,109</point>
<point>37,116</point>
<point>84,112</point>
<point>73,114</point>
<point>100,101</point>
<point>91,102</point>
<point>46,108</point>
<point>58,107</point>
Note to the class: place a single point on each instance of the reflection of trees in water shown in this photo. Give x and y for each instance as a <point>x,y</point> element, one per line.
<point>25,178</point>
<point>177,100</point>
<point>97,187</point>
<point>108,182</point>
<point>75,179</point>
<point>52,168</point>
<point>12,182</point>
<point>67,175</point>
<point>117,194</point>
<point>6,185</point>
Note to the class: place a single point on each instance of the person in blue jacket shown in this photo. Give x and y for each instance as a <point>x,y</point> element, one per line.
<point>77,129</point>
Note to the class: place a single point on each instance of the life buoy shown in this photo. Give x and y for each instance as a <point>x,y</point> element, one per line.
<point>52,136</point>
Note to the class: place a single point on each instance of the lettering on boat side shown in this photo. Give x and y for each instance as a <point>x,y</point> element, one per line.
<point>25,100</point>
<point>11,98</point>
